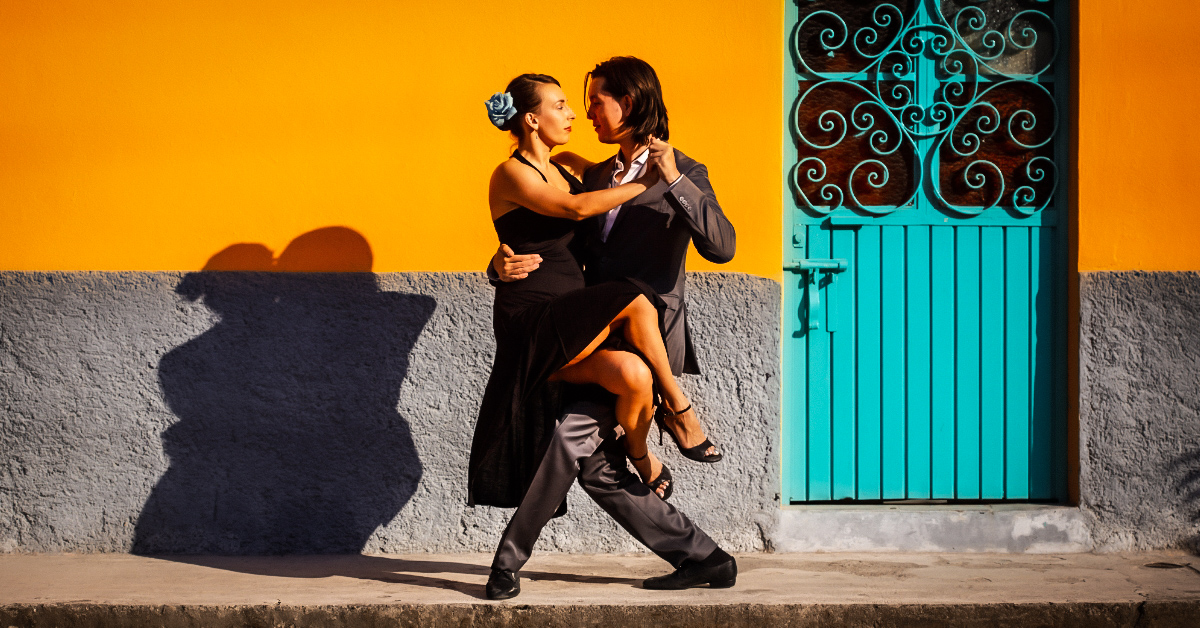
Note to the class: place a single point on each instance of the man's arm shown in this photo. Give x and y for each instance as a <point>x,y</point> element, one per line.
<point>692,197</point>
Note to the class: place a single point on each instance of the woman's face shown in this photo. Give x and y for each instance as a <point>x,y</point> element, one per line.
<point>554,116</point>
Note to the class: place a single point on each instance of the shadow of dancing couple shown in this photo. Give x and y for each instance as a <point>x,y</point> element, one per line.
<point>590,322</point>
<point>288,438</point>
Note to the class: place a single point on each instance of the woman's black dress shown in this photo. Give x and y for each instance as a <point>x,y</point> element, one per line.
<point>541,323</point>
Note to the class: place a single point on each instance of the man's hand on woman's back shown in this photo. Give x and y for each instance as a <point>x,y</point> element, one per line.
<point>512,267</point>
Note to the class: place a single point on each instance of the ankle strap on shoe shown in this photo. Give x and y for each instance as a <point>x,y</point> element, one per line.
<point>689,407</point>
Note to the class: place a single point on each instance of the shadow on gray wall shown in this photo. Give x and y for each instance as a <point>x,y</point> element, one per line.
<point>288,438</point>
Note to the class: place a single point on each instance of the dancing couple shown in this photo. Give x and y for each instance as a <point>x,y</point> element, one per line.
<point>590,322</point>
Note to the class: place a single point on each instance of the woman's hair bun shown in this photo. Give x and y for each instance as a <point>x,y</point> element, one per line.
<point>522,95</point>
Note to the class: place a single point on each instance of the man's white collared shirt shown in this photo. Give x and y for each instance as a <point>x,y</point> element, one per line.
<point>621,175</point>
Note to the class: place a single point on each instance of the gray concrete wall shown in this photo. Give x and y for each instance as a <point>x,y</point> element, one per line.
<point>1139,408</point>
<point>246,413</point>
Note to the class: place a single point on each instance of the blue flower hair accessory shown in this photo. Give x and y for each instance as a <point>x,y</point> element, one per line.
<point>500,108</point>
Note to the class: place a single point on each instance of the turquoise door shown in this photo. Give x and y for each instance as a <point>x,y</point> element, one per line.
<point>924,250</point>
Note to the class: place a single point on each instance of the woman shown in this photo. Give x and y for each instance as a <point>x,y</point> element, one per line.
<point>548,326</point>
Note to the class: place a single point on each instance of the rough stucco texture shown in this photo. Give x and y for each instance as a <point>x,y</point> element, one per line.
<point>246,413</point>
<point>1139,410</point>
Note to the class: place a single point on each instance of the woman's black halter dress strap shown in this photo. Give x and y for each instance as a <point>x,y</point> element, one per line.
<point>576,184</point>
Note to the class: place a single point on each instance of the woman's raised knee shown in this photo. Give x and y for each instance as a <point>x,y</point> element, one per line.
<point>643,306</point>
<point>640,310</point>
<point>635,376</point>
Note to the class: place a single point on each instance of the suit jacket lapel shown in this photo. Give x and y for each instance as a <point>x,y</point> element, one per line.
<point>596,178</point>
<point>603,181</point>
<point>603,177</point>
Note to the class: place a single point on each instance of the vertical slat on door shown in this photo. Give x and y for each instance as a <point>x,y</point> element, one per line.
<point>991,438</point>
<point>892,308</point>
<point>820,485</point>
<point>795,425</point>
<point>942,321</point>
<point>966,421</point>
<point>918,363</point>
<point>867,332</point>
<point>1041,471</point>
<point>840,312</point>
<point>1016,363</point>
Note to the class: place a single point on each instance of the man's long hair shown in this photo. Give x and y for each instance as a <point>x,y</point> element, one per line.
<point>630,76</point>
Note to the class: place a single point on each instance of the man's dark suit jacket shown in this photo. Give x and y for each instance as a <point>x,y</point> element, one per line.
<point>649,241</point>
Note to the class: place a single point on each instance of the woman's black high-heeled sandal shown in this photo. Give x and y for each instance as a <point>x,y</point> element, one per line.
<point>691,453</point>
<point>663,480</point>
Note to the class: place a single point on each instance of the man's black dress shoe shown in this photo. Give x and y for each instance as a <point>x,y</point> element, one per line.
<point>503,584</point>
<point>718,571</point>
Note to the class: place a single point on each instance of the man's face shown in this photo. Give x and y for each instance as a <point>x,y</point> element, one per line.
<point>606,113</point>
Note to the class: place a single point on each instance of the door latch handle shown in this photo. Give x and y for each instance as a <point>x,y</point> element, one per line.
<point>814,266</point>
<point>832,265</point>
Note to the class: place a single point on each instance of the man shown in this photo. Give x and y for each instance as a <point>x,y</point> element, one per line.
<point>647,239</point>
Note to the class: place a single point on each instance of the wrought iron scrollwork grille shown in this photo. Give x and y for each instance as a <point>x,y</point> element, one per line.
<point>946,105</point>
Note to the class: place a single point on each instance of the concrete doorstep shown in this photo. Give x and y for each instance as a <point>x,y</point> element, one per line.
<point>1159,589</point>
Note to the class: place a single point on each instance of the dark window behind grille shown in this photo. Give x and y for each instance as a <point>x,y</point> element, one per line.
<point>983,59</point>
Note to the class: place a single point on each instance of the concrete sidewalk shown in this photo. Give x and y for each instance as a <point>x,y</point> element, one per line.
<point>567,590</point>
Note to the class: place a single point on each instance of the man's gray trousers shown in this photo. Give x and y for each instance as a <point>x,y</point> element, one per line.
<point>585,445</point>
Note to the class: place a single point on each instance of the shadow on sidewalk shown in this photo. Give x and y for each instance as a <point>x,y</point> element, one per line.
<point>380,569</point>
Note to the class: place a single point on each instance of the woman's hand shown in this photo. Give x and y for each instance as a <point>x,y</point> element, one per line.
<point>662,155</point>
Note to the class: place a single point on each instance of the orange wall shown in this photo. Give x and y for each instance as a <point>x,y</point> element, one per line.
<point>150,135</point>
<point>1139,136</point>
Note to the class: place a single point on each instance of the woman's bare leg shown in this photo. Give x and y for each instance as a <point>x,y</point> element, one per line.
<point>639,324</point>
<point>625,375</point>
